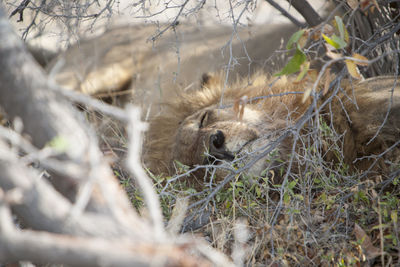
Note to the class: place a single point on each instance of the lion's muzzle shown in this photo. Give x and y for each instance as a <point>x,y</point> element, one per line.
<point>217,148</point>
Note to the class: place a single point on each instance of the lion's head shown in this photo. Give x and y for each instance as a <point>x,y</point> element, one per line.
<point>200,129</point>
<point>215,125</point>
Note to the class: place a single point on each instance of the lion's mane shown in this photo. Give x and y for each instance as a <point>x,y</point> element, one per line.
<point>163,128</point>
<point>358,112</point>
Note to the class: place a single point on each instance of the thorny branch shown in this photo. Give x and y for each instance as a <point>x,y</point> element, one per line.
<point>69,13</point>
<point>232,60</point>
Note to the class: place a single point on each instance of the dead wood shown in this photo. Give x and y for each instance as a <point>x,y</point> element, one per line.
<point>89,222</point>
<point>46,115</point>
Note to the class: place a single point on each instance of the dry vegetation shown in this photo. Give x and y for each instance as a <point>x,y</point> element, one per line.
<point>323,213</point>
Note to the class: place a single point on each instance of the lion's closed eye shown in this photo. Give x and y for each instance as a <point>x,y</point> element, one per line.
<point>203,120</point>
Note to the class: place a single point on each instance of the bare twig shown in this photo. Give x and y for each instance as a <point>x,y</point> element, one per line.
<point>91,102</point>
<point>136,129</point>
<point>178,215</point>
<point>20,9</point>
<point>241,237</point>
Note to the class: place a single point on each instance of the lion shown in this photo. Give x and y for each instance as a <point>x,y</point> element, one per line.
<point>217,125</point>
<point>124,60</point>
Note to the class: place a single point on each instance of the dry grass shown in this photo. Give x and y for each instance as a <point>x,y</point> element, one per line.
<point>326,216</point>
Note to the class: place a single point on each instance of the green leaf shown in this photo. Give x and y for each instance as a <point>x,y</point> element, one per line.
<point>323,197</point>
<point>292,184</point>
<point>340,26</point>
<point>294,39</point>
<point>182,167</point>
<point>58,143</point>
<point>341,42</point>
<point>335,41</point>
<point>258,191</point>
<point>329,40</point>
<point>383,226</point>
<point>299,197</point>
<point>264,172</point>
<point>286,198</point>
<point>190,191</point>
<point>304,69</point>
<point>239,184</point>
<point>295,211</point>
<point>393,216</point>
<point>294,63</point>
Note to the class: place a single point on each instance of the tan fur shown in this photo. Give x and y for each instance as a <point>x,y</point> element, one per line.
<point>175,134</point>
<point>124,58</point>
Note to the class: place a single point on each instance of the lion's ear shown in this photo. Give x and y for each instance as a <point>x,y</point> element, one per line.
<point>205,79</point>
<point>209,80</point>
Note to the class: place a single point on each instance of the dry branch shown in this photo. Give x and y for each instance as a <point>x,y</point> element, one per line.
<point>285,13</point>
<point>136,130</point>
<point>307,11</point>
<point>91,224</point>
<point>76,251</point>
<point>43,208</point>
<point>46,115</point>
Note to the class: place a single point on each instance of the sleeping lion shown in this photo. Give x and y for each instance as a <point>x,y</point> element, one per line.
<point>253,124</point>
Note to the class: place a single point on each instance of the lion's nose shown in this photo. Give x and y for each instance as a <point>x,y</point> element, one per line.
<point>217,147</point>
<point>217,140</point>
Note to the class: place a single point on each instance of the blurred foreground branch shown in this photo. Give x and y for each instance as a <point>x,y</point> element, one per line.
<point>80,216</point>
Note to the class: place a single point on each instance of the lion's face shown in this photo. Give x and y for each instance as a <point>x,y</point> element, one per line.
<point>212,135</point>
<point>194,131</point>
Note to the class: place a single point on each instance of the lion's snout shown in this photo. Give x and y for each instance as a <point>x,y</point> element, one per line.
<point>217,148</point>
<point>227,140</point>
<point>217,140</point>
